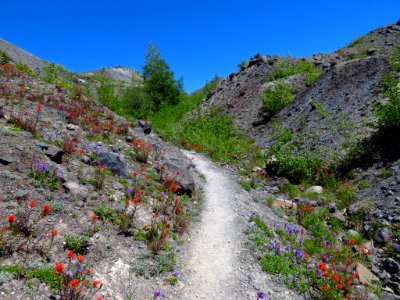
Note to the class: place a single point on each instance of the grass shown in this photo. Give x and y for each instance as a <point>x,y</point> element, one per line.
<point>45,275</point>
<point>385,174</point>
<point>77,243</point>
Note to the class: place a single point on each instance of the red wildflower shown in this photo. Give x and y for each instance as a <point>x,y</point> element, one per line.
<point>322,266</point>
<point>70,254</point>
<point>32,204</point>
<point>127,201</point>
<point>46,209</point>
<point>96,283</point>
<point>39,108</point>
<point>335,277</point>
<point>145,226</point>
<point>54,232</point>
<point>81,258</point>
<point>74,283</point>
<point>339,286</point>
<point>95,218</point>
<point>11,218</point>
<point>59,269</point>
<point>136,200</point>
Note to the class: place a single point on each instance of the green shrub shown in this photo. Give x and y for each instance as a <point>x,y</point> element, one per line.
<point>291,189</point>
<point>20,66</point>
<point>4,58</point>
<point>386,173</point>
<point>287,66</point>
<point>104,213</point>
<point>276,98</point>
<point>77,243</point>
<point>389,113</point>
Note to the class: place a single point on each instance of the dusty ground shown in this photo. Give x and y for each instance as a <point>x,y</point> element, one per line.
<point>216,263</point>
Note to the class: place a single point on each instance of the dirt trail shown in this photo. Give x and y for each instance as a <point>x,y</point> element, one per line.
<point>217,264</point>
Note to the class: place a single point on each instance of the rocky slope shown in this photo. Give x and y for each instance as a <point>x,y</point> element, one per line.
<point>118,73</point>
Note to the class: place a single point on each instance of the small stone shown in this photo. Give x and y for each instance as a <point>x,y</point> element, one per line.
<point>54,153</point>
<point>371,51</point>
<point>72,127</point>
<point>117,186</point>
<point>382,235</point>
<point>6,160</point>
<point>75,189</point>
<point>316,189</point>
<point>391,265</point>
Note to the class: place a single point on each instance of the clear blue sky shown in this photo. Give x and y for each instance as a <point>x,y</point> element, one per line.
<point>198,39</point>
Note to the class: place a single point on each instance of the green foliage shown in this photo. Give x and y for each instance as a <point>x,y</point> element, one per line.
<point>389,113</point>
<point>298,168</point>
<point>52,73</point>
<point>346,193</point>
<point>386,173</point>
<point>134,102</point>
<point>216,134</point>
<point>20,66</point>
<point>4,57</point>
<point>357,41</point>
<point>291,189</point>
<point>104,213</point>
<point>276,98</point>
<point>287,66</point>
<point>46,275</point>
<point>159,80</point>
<point>262,226</point>
<point>106,91</point>
<point>77,243</point>
<point>12,269</point>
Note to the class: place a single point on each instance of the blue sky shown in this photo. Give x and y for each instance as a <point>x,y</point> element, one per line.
<point>198,39</point>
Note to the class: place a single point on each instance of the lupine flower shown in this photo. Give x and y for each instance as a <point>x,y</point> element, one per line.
<point>295,278</point>
<point>176,273</point>
<point>260,295</point>
<point>69,274</point>
<point>157,294</point>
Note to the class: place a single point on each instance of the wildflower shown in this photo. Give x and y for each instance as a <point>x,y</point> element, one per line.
<point>74,283</point>
<point>11,219</point>
<point>95,283</point>
<point>54,232</point>
<point>157,294</point>
<point>295,278</point>
<point>70,254</point>
<point>39,108</point>
<point>145,226</point>
<point>322,266</point>
<point>95,218</point>
<point>32,204</point>
<point>335,277</point>
<point>339,286</point>
<point>46,209</point>
<point>59,268</point>
<point>81,258</point>
<point>176,273</point>
<point>260,295</point>
<point>70,274</point>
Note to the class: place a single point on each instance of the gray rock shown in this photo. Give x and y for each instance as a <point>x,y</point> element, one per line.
<point>391,265</point>
<point>332,207</point>
<point>371,51</point>
<point>75,189</point>
<point>54,153</point>
<point>315,189</point>
<point>382,235</point>
<point>147,128</point>
<point>113,162</point>
<point>72,127</point>
<point>388,296</point>
<point>177,166</point>
<point>140,123</point>
<point>6,159</point>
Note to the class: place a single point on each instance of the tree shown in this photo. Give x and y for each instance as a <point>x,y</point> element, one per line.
<point>159,80</point>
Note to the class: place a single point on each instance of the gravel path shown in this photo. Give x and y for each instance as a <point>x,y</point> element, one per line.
<point>217,264</point>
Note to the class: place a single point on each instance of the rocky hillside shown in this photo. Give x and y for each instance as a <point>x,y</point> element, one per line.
<point>118,73</point>
<point>85,193</point>
<point>19,55</point>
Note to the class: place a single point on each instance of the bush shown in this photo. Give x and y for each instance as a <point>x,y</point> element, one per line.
<point>389,113</point>
<point>77,243</point>
<point>286,67</point>
<point>276,98</point>
<point>4,58</point>
<point>24,68</point>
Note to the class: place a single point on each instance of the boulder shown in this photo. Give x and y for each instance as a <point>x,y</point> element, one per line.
<point>365,275</point>
<point>176,166</point>
<point>113,162</point>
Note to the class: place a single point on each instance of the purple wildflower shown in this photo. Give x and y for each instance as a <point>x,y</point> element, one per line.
<point>260,295</point>
<point>69,274</point>
<point>157,294</point>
